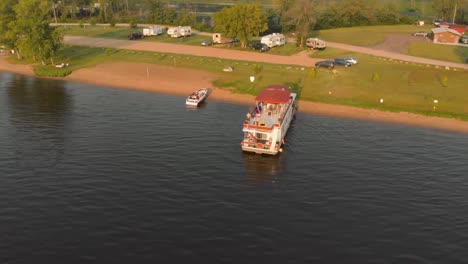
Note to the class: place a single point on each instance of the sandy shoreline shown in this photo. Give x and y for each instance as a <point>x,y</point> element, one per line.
<point>168,80</point>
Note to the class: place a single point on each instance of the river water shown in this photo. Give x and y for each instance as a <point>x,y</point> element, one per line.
<point>99,175</point>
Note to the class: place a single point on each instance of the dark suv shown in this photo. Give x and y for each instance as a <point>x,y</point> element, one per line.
<point>134,36</point>
<point>464,39</point>
<point>261,47</point>
<point>325,64</point>
<point>343,62</point>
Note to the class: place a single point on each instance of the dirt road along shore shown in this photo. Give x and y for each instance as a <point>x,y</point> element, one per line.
<point>300,59</point>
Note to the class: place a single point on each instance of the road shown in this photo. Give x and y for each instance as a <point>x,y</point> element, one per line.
<point>396,56</point>
<point>300,59</point>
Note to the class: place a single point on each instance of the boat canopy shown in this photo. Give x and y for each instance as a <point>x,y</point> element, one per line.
<point>276,94</point>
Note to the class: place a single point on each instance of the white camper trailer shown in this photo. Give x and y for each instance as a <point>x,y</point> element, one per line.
<point>179,31</point>
<point>273,40</point>
<point>219,39</point>
<point>315,43</point>
<point>152,31</point>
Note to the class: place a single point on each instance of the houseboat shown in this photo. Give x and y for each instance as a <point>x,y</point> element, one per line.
<point>266,125</point>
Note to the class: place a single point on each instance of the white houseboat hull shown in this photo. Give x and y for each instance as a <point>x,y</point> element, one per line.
<point>265,129</point>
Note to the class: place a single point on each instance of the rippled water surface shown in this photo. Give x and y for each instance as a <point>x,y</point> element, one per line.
<point>98,175</point>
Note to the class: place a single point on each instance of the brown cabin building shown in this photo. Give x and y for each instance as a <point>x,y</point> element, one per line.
<point>445,35</point>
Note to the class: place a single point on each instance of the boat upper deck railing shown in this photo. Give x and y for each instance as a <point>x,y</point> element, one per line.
<point>268,115</point>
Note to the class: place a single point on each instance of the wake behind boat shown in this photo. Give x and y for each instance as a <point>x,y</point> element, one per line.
<point>196,97</point>
<point>267,125</point>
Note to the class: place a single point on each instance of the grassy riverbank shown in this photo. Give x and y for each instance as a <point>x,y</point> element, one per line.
<point>367,35</point>
<point>360,36</point>
<point>402,86</point>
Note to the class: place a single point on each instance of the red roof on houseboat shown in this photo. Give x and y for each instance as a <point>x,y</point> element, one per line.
<point>276,94</point>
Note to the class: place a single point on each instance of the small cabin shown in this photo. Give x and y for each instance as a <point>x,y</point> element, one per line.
<point>445,35</point>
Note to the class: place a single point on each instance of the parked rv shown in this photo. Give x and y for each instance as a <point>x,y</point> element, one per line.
<point>152,31</point>
<point>315,43</point>
<point>273,40</point>
<point>218,38</point>
<point>177,32</point>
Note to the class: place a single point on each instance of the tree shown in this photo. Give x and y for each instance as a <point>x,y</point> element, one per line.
<point>358,12</point>
<point>160,13</point>
<point>34,37</point>
<point>242,21</point>
<point>282,7</point>
<point>185,17</point>
<point>302,15</point>
<point>452,10</point>
<point>7,14</point>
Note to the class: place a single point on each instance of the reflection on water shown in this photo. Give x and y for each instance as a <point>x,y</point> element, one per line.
<point>40,105</point>
<point>37,101</point>
<point>262,168</point>
<point>194,107</point>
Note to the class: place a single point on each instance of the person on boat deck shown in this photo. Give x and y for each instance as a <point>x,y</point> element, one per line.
<point>258,109</point>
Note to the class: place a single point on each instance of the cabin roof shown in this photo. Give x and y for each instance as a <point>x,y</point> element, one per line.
<point>276,94</point>
<point>444,29</point>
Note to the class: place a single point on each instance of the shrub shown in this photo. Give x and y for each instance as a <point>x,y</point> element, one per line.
<point>93,21</point>
<point>445,81</point>
<point>313,72</point>
<point>375,77</point>
<point>51,71</point>
<point>133,23</point>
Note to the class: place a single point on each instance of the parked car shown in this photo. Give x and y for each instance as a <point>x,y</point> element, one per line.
<point>464,39</point>
<point>136,35</point>
<point>206,43</point>
<point>352,60</point>
<point>420,34</point>
<point>325,64</point>
<point>261,47</point>
<point>344,62</point>
<point>439,22</point>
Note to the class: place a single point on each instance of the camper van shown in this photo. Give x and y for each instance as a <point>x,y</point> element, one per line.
<point>177,32</point>
<point>315,43</point>
<point>152,31</point>
<point>219,39</point>
<point>273,40</point>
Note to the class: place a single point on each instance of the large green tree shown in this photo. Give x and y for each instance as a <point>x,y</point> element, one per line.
<point>242,21</point>
<point>452,10</point>
<point>160,13</point>
<point>302,16</point>
<point>7,14</point>
<point>34,37</point>
<point>281,7</point>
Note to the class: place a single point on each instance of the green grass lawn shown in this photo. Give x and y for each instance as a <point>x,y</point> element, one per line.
<point>195,39</point>
<point>368,35</point>
<point>442,52</point>
<point>403,86</point>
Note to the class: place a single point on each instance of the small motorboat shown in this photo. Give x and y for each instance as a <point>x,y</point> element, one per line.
<point>197,97</point>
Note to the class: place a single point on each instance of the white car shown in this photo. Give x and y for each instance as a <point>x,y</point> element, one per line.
<point>420,33</point>
<point>351,60</point>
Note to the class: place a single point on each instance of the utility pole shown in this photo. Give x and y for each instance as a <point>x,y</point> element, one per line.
<point>54,5</point>
<point>454,13</point>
